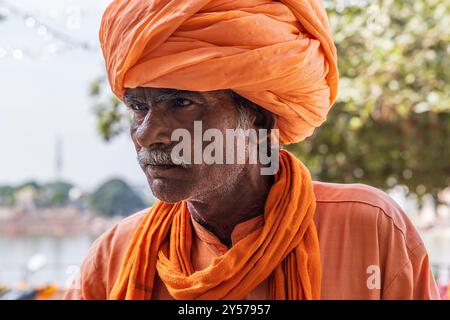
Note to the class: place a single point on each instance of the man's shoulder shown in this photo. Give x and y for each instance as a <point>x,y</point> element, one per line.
<point>128,225</point>
<point>360,205</point>
<point>102,263</point>
<point>327,192</point>
<point>369,200</point>
<point>361,227</point>
<point>114,241</point>
<point>124,229</point>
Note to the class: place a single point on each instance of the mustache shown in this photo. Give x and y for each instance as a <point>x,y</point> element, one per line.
<point>159,157</point>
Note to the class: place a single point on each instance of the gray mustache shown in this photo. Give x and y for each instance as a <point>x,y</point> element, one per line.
<point>158,158</point>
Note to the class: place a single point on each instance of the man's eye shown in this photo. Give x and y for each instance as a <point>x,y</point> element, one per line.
<point>182,102</point>
<point>138,107</point>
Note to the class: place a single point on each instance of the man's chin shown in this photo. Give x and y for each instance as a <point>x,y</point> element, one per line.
<point>168,191</point>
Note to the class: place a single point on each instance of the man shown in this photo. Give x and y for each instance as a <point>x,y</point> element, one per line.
<point>225,230</point>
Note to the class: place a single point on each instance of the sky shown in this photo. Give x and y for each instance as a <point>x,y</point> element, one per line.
<point>44,95</point>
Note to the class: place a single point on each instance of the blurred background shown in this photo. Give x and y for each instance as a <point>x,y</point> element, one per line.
<point>68,169</point>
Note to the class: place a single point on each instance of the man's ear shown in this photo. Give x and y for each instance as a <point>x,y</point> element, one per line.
<point>259,117</point>
<point>263,119</point>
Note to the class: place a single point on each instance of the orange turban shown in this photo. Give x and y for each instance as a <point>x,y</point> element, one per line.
<point>278,54</point>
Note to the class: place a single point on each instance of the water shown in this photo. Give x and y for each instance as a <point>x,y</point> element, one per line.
<point>63,257</point>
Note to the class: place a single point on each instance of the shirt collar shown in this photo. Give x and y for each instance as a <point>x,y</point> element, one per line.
<point>239,232</point>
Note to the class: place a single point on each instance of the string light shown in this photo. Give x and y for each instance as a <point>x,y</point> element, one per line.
<point>47,32</point>
<point>3,13</point>
<point>17,54</point>
<point>3,53</point>
<point>30,22</point>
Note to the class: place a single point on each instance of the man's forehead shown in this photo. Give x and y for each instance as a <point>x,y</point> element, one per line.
<point>162,94</point>
<point>152,93</point>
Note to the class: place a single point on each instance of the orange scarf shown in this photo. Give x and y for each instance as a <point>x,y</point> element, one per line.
<point>286,249</point>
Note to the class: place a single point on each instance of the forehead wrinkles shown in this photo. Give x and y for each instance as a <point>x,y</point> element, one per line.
<point>223,113</point>
<point>134,94</point>
<point>161,95</point>
<point>147,94</point>
<point>219,98</point>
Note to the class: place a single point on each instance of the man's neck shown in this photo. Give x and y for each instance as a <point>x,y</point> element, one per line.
<point>221,210</point>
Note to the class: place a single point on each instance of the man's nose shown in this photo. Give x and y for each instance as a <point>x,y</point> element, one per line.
<point>154,129</point>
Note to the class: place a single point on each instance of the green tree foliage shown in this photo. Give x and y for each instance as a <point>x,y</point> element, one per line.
<point>112,118</point>
<point>55,194</point>
<point>390,124</point>
<point>8,192</point>
<point>52,194</point>
<point>116,197</point>
<point>7,195</point>
<point>32,184</point>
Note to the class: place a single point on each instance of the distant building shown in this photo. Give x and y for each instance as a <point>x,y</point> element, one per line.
<point>27,199</point>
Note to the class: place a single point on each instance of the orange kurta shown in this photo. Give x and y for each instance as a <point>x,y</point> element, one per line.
<point>360,229</point>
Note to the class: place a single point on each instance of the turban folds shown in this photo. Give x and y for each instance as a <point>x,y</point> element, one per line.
<point>277,54</point>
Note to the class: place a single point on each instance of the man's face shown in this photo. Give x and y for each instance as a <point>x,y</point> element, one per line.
<point>156,114</point>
